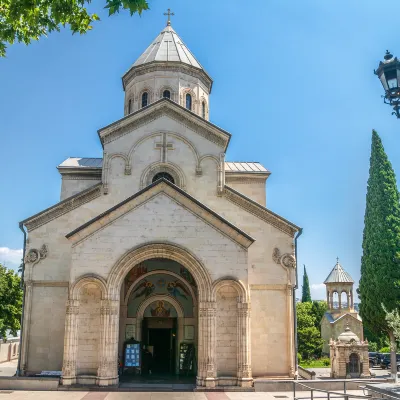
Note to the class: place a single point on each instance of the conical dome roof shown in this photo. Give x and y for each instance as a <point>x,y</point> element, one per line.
<point>168,46</point>
<point>338,275</point>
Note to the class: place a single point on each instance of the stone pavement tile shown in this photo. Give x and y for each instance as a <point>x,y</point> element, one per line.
<point>42,395</point>
<point>95,396</point>
<point>171,396</point>
<point>128,396</point>
<point>216,396</point>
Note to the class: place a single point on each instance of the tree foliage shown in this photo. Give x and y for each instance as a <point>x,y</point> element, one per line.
<point>319,308</point>
<point>27,20</point>
<point>380,264</point>
<point>306,294</point>
<point>379,287</point>
<point>308,336</point>
<point>10,301</point>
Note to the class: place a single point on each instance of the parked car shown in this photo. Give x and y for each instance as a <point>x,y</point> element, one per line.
<point>398,365</point>
<point>374,358</point>
<point>386,360</point>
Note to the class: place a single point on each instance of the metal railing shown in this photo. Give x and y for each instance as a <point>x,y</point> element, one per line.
<point>329,394</point>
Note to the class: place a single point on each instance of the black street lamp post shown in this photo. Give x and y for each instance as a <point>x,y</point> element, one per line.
<point>389,75</point>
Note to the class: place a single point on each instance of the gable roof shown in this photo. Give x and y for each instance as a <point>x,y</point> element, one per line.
<point>332,320</point>
<point>173,110</point>
<point>338,275</point>
<point>261,212</point>
<point>168,188</point>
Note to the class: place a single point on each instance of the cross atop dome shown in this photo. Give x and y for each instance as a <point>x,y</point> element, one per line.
<point>169,13</point>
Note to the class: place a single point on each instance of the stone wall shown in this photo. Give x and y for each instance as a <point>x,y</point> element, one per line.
<point>226,345</point>
<point>89,330</point>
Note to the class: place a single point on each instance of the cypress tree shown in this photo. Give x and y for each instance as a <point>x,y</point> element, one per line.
<point>380,263</point>
<point>306,295</point>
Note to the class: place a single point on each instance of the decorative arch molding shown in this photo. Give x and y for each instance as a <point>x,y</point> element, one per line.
<point>190,91</point>
<point>107,167</point>
<point>241,290</point>
<point>189,144</point>
<point>207,114</point>
<point>81,282</point>
<point>172,169</point>
<point>160,297</point>
<point>172,91</point>
<point>155,272</point>
<point>150,96</point>
<point>159,250</point>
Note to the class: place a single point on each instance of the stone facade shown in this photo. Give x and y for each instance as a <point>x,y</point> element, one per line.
<point>203,256</point>
<point>349,356</point>
<point>341,312</point>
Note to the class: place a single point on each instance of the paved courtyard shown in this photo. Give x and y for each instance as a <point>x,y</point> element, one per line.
<point>22,395</point>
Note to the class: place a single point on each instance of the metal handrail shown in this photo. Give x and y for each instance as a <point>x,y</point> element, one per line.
<point>333,394</point>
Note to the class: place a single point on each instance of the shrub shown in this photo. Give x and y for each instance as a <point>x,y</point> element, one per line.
<point>326,361</point>
<point>299,358</point>
<point>372,346</point>
<point>384,350</point>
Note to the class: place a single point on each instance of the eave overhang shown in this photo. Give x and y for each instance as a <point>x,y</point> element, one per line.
<point>169,66</point>
<point>156,110</point>
<point>174,192</point>
<point>261,212</point>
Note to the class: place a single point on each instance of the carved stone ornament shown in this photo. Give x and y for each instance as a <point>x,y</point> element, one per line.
<point>287,260</point>
<point>35,255</point>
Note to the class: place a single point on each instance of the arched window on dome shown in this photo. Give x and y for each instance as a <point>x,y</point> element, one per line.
<point>129,106</point>
<point>145,99</point>
<point>203,109</point>
<point>166,94</point>
<point>189,101</point>
<point>162,175</point>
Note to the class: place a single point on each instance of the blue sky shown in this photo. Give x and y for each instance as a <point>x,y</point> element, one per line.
<point>293,83</point>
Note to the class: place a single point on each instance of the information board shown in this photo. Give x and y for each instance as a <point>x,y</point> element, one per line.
<point>132,355</point>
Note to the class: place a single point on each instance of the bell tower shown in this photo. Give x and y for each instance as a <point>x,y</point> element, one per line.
<point>339,283</point>
<point>167,69</point>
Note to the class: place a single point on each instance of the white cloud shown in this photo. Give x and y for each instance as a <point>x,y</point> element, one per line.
<point>318,291</point>
<point>10,257</point>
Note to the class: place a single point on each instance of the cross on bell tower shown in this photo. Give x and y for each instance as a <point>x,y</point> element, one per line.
<point>169,13</point>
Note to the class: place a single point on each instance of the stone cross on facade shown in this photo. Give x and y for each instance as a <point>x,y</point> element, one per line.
<point>169,13</point>
<point>164,146</point>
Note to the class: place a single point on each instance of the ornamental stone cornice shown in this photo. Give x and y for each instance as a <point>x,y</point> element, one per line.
<point>94,176</point>
<point>62,207</point>
<point>170,66</point>
<point>259,180</point>
<point>162,186</point>
<point>259,211</point>
<point>164,107</point>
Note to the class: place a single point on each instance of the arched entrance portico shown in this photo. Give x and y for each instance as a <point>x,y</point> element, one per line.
<point>210,300</point>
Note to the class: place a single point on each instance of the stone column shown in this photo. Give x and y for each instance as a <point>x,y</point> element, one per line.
<point>340,300</point>
<point>107,373</point>
<point>70,343</point>
<point>206,353</point>
<point>244,350</point>
<point>27,325</point>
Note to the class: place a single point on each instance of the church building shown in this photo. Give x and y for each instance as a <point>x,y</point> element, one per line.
<point>161,242</point>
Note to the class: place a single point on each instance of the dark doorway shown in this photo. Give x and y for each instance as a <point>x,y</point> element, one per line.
<point>161,341</point>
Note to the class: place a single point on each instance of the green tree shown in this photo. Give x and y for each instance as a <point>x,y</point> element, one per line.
<point>27,20</point>
<point>10,301</point>
<point>319,308</point>
<point>308,336</point>
<point>306,294</point>
<point>380,263</point>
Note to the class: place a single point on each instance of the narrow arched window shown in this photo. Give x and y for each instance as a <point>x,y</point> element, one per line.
<point>188,101</point>
<point>145,99</point>
<point>166,94</point>
<point>203,109</point>
<point>129,106</point>
<point>164,175</point>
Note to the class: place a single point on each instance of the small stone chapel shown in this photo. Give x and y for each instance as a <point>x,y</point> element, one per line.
<point>162,240</point>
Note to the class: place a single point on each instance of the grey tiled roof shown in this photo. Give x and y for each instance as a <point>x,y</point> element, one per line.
<point>245,167</point>
<point>230,167</point>
<point>338,275</point>
<point>167,46</point>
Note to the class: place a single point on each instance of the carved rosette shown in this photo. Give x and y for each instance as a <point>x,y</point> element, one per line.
<point>35,255</point>
<point>286,260</point>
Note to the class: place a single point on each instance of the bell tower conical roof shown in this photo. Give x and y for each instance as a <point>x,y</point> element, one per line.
<point>168,46</point>
<point>338,275</point>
